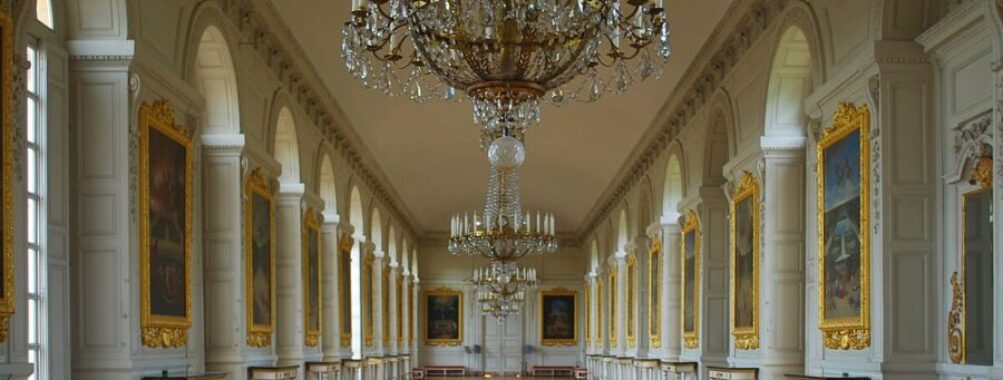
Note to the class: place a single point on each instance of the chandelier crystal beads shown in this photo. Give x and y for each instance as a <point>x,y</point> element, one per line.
<point>501,288</point>
<point>504,232</point>
<point>508,56</point>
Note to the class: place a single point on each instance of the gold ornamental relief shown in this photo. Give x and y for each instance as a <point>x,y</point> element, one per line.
<point>846,339</point>
<point>691,343</point>
<point>956,322</point>
<point>165,337</point>
<point>747,342</point>
<point>259,339</point>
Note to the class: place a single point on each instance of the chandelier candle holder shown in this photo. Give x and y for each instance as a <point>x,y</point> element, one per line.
<point>504,232</point>
<point>501,288</point>
<point>508,56</point>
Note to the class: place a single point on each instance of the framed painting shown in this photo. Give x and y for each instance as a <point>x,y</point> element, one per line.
<point>655,292</point>
<point>612,307</point>
<point>385,302</point>
<point>690,281</point>
<point>400,309</point>
<point>259,258</point>
<point>588,314</point>
<point>345,287</point>
<point>367,300</point>
<point>601,311</point>
<point>165,202</point>
<point>558,317</point>
<point>631,283</point>
<point>443,317</point>
<point>312,292</point>
<point>970,322</point>
<point>7,167</point>
<point>843,241</point>
<point>745,264</point>
<point>410,320</point>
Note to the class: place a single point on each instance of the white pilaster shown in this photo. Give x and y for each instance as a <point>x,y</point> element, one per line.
<point>331,321</point>
<point>392,314</point>
<point>289,328</point>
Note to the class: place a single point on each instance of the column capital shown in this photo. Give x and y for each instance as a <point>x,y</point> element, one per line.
<point>331,219</point>
<point>291,190</point>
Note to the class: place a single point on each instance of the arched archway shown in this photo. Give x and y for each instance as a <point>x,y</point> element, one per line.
<point>328,188</point>
<point>376,229</point>
<point>355,217</point>
<point>672,188</point>
<point>214,77</point>
<point>790,82</point>
<point>286,148</point>
<point>622,233</point>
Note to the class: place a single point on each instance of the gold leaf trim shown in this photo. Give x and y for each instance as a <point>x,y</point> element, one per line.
<point>164,337</point>
<point>850,339</point>
<point>956,322</point>
<point>746,342</point>
<point>258,335</point>
<point>746,337</point>
<point>259,339</point>
<point>691,339</point>
<point>982,172</point>
<point>560,291</point>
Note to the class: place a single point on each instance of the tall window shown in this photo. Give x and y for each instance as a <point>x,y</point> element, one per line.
<point>36,217</point>
<point>43,12</point>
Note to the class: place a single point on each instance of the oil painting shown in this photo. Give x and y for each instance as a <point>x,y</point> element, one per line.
<point>345,287</point>
<point>311,277</point>
<point>260,260</point>
<point>558,322</point>
<point>612,307</point>
<point>843,185</point>
<point>745,264</point>
<point>655,292</point>
<point>165,227</point>
<point>443,317</point>
<point>691,281</point>
<point>631,320</point>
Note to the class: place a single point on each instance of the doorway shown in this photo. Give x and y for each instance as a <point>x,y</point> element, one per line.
<point>503,342</point>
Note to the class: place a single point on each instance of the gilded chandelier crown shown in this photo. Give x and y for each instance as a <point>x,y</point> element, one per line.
<point>507,55</point>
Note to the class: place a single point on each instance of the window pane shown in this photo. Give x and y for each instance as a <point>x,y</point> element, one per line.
<point>32,321</point>
<point>32,171</point>
<point>32,221</point>
<point>43,11</point>
<point>32,271</point>
<point>33,359</point>
<point>32,70</point>
<point>32,120</point>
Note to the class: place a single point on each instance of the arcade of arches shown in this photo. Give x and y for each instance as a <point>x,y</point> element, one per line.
<point>200,187</point>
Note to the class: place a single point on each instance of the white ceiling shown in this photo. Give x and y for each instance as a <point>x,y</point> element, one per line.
<point>430,151</point>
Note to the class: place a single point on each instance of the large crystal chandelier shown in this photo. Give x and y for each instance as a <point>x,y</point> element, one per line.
<point>501,287</point>
<point>506,55</point>
<point>504,232</point>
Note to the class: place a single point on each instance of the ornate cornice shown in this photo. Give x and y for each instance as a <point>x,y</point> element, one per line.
<point>728,44</point>
<point>261,29</point>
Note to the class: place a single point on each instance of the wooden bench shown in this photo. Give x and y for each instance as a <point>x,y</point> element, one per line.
<point>553,371</point>
<point>273,373</point>
<point>581,373</point>
<point>724,373</point>
<point>417,373</point>
<point>445,370</point>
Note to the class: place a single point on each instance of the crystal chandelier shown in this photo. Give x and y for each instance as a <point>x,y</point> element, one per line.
<point>501,288</point>
<point>508,56</point>
<point>504,232</point>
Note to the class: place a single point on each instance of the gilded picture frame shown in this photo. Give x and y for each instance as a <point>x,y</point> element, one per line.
<point>631,320</point>
<point>612,308</point>
<point>690,282</point>
<point>7,66</point>
<point>411,320</point>
<point>400,309</point>
<point>558,318</point>
<point>655,292</point>
<point>587,295</point>
<point>957,320</point>
<point>443,316</point>
<point>368,324</point>
<point>745,258</point>
<point>345,243</point>
<point>385,302</point>
<point>165,317</point>
<point>843,153</point>
<point>260,299</point>
<point>313,293</point>
<point>601,310</point>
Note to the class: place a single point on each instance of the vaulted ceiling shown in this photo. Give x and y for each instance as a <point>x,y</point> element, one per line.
<point>430,151</point>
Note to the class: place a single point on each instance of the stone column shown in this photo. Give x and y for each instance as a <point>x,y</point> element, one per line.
<point>782,277</point>
<point>416,331</point>
<point>641,246</point>
<point>618,342</point>
<point>289,327</point>
<point>331,321</point>
<point>376,301</point>
<point>671,276</point>
<point>392,314</point>
<point>405,314</point>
